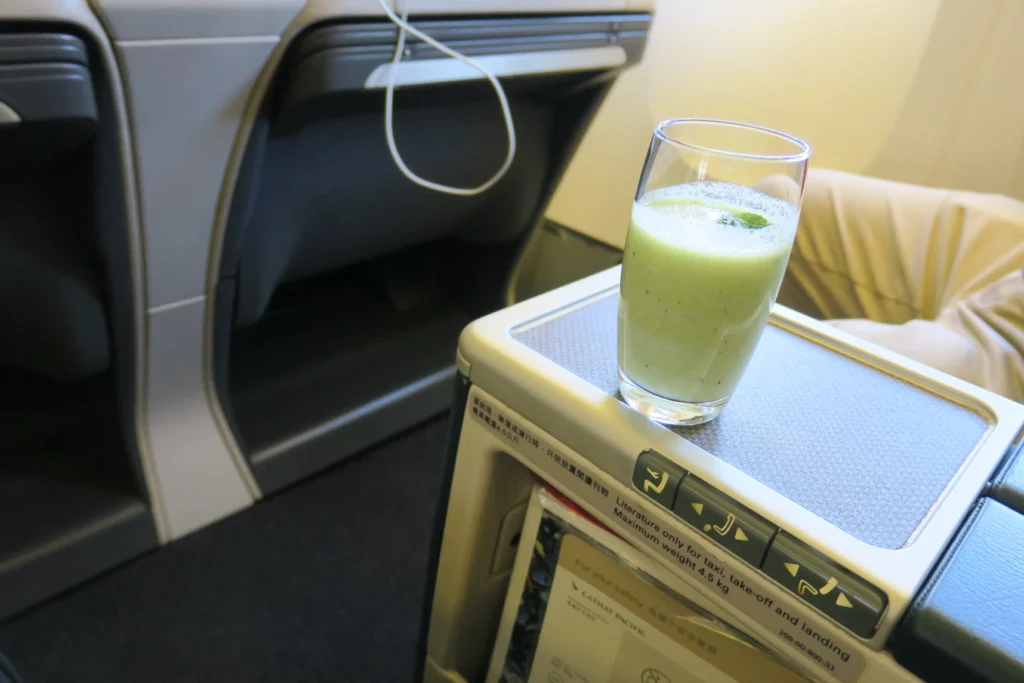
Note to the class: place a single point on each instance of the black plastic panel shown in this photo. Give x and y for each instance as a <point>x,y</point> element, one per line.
<point>34,48</point>
<point>354,432</point>
<point>70,504</point>
<point>1008,486</point>
<point>72,533</point>
<point>45,77</point>
<point>462,387</point>
<point>42,92</point>
<point>338,366</point>
<point>46,82</point>
<point>73,501</point>
<point>968,622</point>
<point>339,58</point>
<point>448,30</point>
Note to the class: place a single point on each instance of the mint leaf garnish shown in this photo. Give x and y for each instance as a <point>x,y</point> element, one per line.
<point>751,220</point>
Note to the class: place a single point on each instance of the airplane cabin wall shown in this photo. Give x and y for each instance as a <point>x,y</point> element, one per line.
<point>924,91</point>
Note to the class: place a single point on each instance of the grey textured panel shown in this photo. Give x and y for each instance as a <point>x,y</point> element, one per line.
<point>853,445</point>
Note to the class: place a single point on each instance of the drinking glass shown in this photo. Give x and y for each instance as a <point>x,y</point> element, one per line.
<point>713,223</point>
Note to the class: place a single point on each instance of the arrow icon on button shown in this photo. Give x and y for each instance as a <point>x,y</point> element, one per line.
<point>791,567</point>
<point>740,536</point>
<point>843,601</point>
<point>699,507</point>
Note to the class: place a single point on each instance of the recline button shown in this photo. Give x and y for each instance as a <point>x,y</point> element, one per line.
<point>839,594</point>
<point>722,519</point>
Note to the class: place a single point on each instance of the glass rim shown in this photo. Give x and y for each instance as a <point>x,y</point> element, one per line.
<point>803,146</point>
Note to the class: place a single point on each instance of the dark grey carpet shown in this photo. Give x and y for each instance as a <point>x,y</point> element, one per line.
<point>322,582</point>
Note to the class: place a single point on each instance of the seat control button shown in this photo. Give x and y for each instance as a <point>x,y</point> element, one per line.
<point>844,597</point>
<point>657,477</point>
<point>722,519</point>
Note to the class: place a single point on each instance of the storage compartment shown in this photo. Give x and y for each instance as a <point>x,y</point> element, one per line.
<point>338,361</point>
<point>343,286</point>
<point>72,497</point>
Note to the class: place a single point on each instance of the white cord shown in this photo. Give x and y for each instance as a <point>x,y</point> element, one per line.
<point>403,26</point>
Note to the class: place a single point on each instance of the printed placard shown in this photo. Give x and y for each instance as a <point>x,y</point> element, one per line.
<point>797,629</point>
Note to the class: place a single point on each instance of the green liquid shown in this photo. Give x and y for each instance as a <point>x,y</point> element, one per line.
<point>701,269</point>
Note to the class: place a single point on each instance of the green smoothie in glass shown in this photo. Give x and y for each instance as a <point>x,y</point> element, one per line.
<point>702,266</point>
